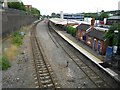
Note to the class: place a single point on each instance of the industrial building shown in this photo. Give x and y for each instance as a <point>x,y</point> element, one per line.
<point>77,16</point>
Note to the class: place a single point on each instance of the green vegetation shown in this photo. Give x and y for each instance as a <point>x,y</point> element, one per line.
<point>4,63</point>
<point>100,16</point>
<point>21,6</point>
<point>92,15</point>
<point>103,15</point>
<point>35,11</point>
<point>71,30</point>
<point>55,15</point>
<point>113,36</point>
<point>17,38</point>
<point>17,5</point>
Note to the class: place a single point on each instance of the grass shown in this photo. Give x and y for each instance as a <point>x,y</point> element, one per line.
<point>4,63</point>
<point>11,51</point>
<point>17,39</point>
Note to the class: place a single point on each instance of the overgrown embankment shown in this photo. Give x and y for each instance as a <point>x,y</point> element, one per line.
<point>10,51</point>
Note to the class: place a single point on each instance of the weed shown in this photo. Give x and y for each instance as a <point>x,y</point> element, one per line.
<point>4,63</point>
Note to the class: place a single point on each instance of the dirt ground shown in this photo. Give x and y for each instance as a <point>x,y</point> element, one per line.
<point>20,74</point>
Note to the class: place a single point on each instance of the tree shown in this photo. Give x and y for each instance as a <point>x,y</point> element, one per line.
<point>17,5</point>
<point>21,6</point>
<point>103,15</point>
<point>35,11</point>
<point>109,36</point>
<point>53,15</point>
<point>112,37</point>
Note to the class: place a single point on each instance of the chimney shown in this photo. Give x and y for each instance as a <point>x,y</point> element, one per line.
<point>5,4</point>
<point>61,14</point>
<point>92,22</point>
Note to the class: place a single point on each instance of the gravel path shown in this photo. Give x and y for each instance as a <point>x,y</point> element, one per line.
<point>20,74</point>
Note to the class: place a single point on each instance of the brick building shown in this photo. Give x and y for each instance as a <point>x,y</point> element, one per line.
<point>92,36</point>
<point>95,39</point>
<point>81,30</point>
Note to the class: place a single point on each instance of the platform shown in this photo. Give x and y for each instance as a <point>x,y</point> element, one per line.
<point>89,55</point>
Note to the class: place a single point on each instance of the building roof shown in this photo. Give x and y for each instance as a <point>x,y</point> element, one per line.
<point>114,17</point>
<point>101,29</point>
<point>83,26</point>
<point>96,33</point>
<point>62,21</point>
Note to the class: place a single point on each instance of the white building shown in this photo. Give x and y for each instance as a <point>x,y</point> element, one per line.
<point>77,16</point>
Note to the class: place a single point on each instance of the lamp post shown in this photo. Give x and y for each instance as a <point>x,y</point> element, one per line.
<point>67,24</point>
<point>5,4</point>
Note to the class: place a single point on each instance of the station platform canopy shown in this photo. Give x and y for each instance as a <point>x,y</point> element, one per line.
<point>63,21</point>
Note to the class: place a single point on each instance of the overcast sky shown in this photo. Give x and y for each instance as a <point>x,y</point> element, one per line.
<point>46,7</point>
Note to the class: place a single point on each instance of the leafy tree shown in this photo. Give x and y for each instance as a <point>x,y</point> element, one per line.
<point>21,6</point>
<point>92,15</point>
<point>103,15</point>
<point>53,15</point>
<point>113,38</point>
<point>17,5</point>
<point>35,11</point>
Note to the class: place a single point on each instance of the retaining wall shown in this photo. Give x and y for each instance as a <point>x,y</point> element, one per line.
<point>13,19</point>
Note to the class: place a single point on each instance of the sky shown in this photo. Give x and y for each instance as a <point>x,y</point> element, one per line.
<point>47,7</point>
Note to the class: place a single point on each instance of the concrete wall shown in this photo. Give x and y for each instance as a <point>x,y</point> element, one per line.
<point>13,19</point>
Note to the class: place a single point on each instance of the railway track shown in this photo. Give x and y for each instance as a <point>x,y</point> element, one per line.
<point>90,73</point>
<point>43,73</point>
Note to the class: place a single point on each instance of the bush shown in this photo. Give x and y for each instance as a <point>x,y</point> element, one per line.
<point>71,30</point>
<point>17,38</point>
<point>74,32</point>
<point>4,63</point>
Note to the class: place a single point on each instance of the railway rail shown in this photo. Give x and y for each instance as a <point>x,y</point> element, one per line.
<point>43,73</point>
<point>89,72</point>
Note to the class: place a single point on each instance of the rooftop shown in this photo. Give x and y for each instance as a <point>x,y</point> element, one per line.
<point>83,26</point>
<point>63,21</point>
<point>97,33</point>
<point>114,17</point>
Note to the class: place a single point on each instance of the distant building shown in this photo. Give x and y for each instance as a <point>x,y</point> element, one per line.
<point>28,7</point>
<point>77,16</point>
<point>112,20</point>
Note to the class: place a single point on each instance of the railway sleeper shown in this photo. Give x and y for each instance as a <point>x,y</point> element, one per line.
<point>103,85</point>
<point>80,64</point>
<point>94,77</point>
<point>44,78</point>
<point>41,69</point>
<point>46,81</point>
<point>50,85</point>
<point>44,74</point>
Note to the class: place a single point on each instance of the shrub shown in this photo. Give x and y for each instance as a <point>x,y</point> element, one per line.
<point>4,63</point>
<point>17,38</point>
<point>74,32</point>
<point>71,30</point>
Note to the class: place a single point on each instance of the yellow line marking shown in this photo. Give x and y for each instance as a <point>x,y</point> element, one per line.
<point>89,55</point>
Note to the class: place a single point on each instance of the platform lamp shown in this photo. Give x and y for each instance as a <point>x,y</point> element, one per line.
<point>67,25</point>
